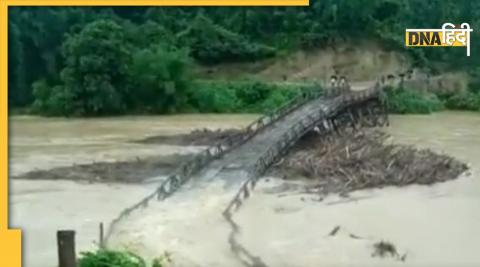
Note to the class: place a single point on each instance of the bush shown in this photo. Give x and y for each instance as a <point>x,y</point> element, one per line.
<point>111,258</point>
<point>241,96</point>
<point>405,101</point>
<point>160,77</point>
<point>51,101</point>
<point>41,93</point>
<point>465,100</point>
<point>108,258</point>
<point>214,97</point>
<point>276,99</point>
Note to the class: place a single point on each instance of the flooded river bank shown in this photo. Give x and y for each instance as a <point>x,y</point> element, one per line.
<point>432,225</point>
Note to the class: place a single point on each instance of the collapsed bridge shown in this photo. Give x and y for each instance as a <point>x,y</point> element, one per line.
<point>199,200</point>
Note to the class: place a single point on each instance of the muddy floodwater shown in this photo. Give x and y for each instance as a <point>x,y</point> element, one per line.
<point>44,143</point>
<point>42,207</point>
<point>432,225</point>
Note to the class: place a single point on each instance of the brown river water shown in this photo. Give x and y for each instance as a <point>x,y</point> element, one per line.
<point>433,225</point>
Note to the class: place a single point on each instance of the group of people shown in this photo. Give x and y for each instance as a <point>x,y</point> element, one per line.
<point>339,85</point>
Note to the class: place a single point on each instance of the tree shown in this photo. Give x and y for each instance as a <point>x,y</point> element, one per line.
<point>19,94</point>
<point>161,78</point>
<point>96,84</point>
<point>97,60</point>
<point>211,43</point>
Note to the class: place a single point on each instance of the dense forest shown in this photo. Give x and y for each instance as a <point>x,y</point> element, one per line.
<point>85,61</point>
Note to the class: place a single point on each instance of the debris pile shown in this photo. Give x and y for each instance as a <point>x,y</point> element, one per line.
<point>384,249</point>
<point>197,137</point>
<point>133,171</point>
<point>364,159</point>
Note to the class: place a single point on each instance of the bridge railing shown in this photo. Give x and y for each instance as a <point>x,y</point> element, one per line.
<point>306,124</point>
<point>305,96</point>
<point>187,169</point>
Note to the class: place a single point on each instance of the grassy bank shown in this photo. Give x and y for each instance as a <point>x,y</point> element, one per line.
<point>242,96</point>
<point>411,101</point>
<point>251,96</point>
<point>201,96</point>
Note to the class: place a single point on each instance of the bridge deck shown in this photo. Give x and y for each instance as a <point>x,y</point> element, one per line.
<point>233,165</point>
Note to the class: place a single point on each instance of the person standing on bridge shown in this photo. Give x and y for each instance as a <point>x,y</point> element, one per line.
<point>344,86</point>
<point>333,85</point>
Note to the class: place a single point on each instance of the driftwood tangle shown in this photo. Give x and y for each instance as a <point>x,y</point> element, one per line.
<point>364,159</point>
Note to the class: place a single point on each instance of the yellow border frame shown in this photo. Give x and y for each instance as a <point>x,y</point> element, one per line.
<point>157,2</point>
<point>11,239</point>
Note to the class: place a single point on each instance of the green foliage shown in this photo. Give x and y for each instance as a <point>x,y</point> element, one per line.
<point>276,99</point>
<point>112,258</point>
<point>465,100</point>
<point>109,258</point>
<point>19,93</point>
<point>51,101</point>
<point>149,34</point>
<point>251,93</point>
<point>160,79</point>
<point>97,60</point>
<point>408,101</point>
<point>405,101</point>
<point>35,41</point>
<point>474,80</point>
<point>211,43</point>
<point>209,97</point>
<point>242,96</point>
<point>87,56</point>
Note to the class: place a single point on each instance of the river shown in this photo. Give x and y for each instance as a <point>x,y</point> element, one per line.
<point>433,225</point>
<point>41,208</point>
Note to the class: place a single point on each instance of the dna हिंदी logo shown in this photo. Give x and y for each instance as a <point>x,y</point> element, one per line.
<point>448,35</point>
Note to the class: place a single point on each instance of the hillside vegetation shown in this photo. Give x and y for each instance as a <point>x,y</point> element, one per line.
<point>90,61</point>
